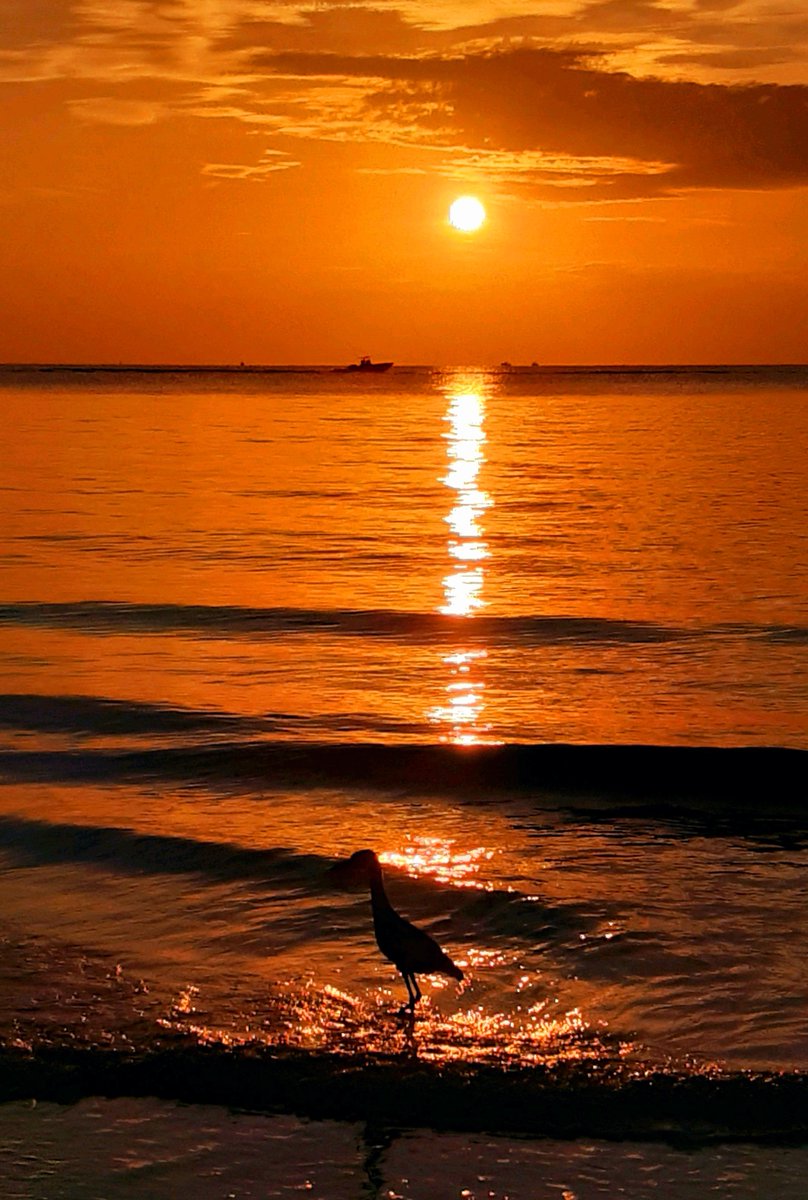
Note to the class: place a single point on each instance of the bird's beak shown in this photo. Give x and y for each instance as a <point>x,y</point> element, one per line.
<point>344,875</point>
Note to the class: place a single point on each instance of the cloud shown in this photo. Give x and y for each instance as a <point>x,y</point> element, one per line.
<point>203,39</point>
<point>534,101</point>
<point>733,60</point>
<point>112,110</point>
<point>659,135</point>
<point>272,161</point>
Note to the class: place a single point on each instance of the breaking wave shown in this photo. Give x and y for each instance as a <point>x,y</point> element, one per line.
<point>228,621</point>
<point>770,778</point>
<point>558,1100</point>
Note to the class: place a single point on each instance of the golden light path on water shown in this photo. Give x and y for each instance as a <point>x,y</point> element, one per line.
<point>503,1013</point>
<point>439,858</point>
<point>327,1019</point>
<point>460,716</point>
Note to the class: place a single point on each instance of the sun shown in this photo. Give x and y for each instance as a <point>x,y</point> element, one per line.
<point>466,214</point>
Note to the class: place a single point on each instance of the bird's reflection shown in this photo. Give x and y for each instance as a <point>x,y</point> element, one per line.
<point>460,715</point>
<point>374,1141</point>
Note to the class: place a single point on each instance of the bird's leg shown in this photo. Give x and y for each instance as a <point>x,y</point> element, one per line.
<point>412,998</point>
<point>417,990</point>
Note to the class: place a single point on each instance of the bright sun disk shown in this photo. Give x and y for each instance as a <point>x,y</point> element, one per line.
<point>466,214</point>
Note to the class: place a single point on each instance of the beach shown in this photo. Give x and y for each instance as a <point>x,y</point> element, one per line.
<point>539,638</point>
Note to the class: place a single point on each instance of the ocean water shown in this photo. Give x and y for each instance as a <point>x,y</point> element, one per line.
<point>537,637</point>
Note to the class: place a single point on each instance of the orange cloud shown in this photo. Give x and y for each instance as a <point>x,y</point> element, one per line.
<point>494,98</point>
<point>114,110</point>
<point>272,160</point>
<point>654,136</point>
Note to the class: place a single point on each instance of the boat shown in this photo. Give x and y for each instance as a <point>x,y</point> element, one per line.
<point>366,364</point>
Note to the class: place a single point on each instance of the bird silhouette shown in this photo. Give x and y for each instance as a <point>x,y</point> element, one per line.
<point>411,950</point>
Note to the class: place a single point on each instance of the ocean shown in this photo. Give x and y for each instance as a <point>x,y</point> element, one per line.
<point>536,636</point>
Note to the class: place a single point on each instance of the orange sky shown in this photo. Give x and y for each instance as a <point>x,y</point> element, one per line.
<point>226,180</point>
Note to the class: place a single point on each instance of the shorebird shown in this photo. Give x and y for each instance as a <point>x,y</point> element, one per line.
<point>411,950</point>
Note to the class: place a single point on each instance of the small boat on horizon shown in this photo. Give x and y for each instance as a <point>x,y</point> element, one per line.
<point>365,364</point>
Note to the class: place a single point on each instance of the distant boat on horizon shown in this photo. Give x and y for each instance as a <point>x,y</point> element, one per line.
<point>365,364</point>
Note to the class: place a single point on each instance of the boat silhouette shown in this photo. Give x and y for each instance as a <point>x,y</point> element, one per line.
<point>365,364</point>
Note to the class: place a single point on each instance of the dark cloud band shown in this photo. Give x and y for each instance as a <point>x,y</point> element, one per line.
<point>566,103</point>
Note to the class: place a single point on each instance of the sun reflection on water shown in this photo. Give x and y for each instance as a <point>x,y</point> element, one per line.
<point>465,441</point>
<point>443,860</point>
<point>327,1019</point>
<point>460,716</point>
<point>528,1037</point>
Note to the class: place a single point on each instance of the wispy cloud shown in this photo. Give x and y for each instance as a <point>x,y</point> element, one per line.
<point>578,96</point>
<point>529,113</point>
<point>271,162</point>
<point>113,110</point>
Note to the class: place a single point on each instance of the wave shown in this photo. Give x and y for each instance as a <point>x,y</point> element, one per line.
<point>99,715</point>
<point>34,843</point>
<point>226,621</point>
<point>103,717</point>
<point>39,843</point>
<point>766,780</point>
<point>289,875</point>
<point>613,1100</point>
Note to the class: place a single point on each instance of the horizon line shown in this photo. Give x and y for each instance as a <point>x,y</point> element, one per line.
<point>256,367</point>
